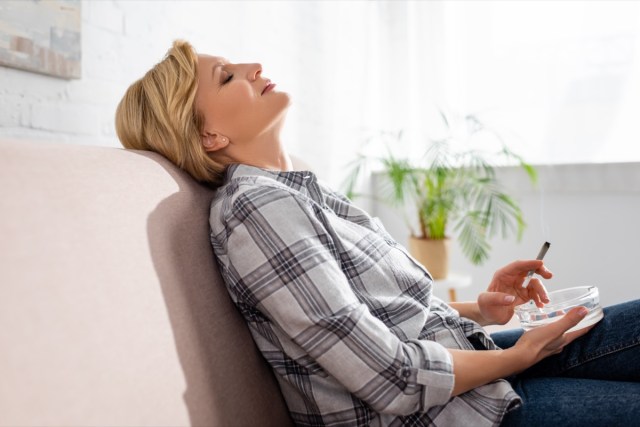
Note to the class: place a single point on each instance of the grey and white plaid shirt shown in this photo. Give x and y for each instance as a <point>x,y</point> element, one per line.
<point>342,313</point>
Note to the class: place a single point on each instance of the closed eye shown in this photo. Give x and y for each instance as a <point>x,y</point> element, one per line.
<point>227,79</point>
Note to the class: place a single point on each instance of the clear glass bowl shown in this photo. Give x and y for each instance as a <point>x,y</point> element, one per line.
<point>560,302</point>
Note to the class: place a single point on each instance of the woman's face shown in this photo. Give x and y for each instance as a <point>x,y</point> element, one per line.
<point>236,101</point>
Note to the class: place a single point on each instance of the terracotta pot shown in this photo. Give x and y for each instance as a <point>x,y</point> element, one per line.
<point>433,254</point>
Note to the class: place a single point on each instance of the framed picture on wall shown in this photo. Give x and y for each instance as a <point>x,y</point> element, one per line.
<point>41,36</point>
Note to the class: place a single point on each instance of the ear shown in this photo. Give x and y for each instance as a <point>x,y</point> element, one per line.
<point>213,141</point>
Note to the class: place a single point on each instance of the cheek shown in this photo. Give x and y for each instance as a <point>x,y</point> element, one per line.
<point>235,102</point>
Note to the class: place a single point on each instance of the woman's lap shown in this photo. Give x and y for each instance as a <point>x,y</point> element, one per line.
<point>608,352</point>
<point>601,368</point>
<point>575,402</point>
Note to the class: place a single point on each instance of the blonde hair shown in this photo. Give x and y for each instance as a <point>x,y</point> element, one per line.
<point>158,113</point>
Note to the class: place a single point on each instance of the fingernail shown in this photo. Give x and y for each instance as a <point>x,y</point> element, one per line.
<point>583,311</point>
<point>509,299</point>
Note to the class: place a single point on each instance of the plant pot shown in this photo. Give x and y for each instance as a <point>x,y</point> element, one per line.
<point>433,254</point>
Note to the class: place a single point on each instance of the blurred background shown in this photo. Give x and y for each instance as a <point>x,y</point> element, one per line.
<point>559,81</point>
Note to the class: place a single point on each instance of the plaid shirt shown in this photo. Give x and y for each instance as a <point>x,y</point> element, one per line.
<point>341,312</point>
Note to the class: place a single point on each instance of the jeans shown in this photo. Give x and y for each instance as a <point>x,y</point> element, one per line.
<point>594,382</point>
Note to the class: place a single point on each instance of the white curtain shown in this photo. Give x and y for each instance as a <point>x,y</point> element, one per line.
<point>558,80</point>
<point>378,72</point>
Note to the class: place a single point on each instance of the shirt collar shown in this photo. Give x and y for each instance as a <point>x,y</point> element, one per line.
<point>293,179</point>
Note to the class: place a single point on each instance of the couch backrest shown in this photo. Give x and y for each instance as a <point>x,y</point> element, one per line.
<point>112,311</point>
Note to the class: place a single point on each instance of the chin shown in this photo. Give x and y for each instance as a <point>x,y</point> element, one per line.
<point>286,98</point>
<point>284,102</point>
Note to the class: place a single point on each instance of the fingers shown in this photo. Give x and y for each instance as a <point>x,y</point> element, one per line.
<point>571,319</point>
<point>570,336</point>
<point>544,272</point>
<point>495,298</point>
<point>555,331</point>
<point>537,292</point>
<point>524,266</point>
<point>553,337</point>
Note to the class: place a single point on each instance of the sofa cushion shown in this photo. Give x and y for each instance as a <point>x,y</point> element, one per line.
<point>112,311</point>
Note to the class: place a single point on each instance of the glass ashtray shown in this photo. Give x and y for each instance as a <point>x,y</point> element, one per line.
<point>560,302</point>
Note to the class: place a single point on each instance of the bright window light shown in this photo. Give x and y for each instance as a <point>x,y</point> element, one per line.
<point>560,80</point>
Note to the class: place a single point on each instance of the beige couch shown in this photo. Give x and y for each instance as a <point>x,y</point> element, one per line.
<point>112,311</point>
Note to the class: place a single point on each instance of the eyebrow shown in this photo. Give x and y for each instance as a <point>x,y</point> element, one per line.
<point>215,67</point>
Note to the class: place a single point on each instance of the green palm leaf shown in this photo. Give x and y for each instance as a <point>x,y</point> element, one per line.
<point>449,188</point>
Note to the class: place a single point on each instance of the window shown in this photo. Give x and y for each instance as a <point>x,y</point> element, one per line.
<point>560,81</point>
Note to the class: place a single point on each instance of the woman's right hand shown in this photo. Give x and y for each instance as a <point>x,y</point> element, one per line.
<point>543,341</point>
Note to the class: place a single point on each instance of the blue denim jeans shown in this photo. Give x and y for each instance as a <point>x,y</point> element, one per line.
<point>595,381</point>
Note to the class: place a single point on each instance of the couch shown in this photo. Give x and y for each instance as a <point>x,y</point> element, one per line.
<point>112,310</point>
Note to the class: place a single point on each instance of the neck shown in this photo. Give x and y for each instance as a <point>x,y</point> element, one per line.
<point>265,151</point>
<point>267,155</point>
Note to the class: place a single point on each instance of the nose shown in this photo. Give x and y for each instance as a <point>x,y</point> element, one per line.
<point>254,71</point>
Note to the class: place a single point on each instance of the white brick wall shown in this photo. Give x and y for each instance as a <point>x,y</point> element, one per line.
<point>42,107</point>
<point>313,50</point>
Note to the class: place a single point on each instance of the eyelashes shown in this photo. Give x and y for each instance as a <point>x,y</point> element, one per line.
<point>227,79</point>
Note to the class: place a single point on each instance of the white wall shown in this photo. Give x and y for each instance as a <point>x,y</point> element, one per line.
<point>591,215</point>
<point>121,40</point>
<point>329,56</point>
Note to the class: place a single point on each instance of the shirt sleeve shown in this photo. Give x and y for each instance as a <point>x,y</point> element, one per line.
<point>286,263</point>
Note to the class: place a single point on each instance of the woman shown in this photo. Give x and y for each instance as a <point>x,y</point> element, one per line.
<point>342,313</point>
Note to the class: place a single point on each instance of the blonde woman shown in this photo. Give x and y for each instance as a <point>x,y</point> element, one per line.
<point>342,313</point>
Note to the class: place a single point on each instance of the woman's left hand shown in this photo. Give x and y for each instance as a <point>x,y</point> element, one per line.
<point>505,291</point>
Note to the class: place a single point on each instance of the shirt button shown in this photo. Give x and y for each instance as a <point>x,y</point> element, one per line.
<point>406,372</point>
<point>450,321</point>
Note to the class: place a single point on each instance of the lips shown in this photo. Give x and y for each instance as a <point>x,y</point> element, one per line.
<point>268,88</point>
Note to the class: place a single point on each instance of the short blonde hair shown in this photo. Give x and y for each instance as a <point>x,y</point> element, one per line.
<point>158,113</point>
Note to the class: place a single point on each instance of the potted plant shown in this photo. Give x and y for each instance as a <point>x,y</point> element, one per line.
<point>454,193</point>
